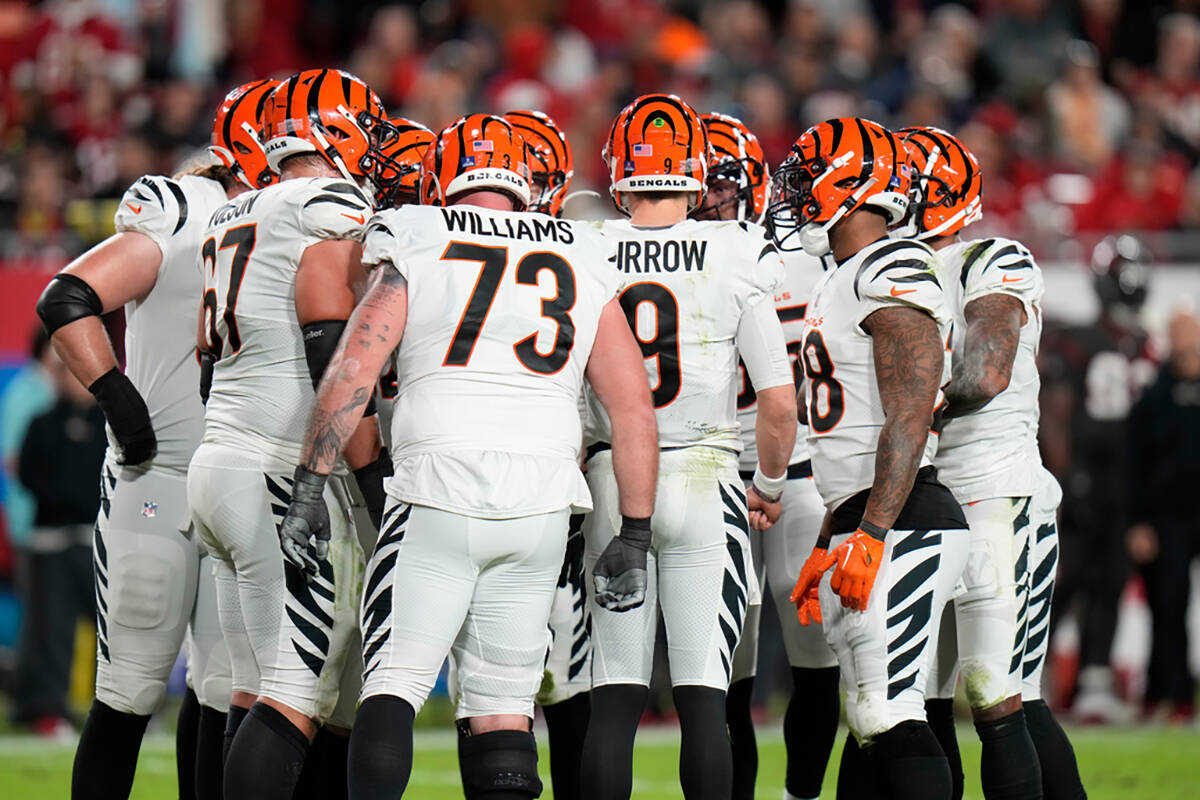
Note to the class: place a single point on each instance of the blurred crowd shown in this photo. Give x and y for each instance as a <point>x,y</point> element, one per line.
<point>1084,113</point>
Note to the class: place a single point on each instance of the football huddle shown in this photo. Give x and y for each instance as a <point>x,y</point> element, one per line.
<point>385,403</point>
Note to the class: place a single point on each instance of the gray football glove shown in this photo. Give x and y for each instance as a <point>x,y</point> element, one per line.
<point>304,532</point>
<point>619,576</point>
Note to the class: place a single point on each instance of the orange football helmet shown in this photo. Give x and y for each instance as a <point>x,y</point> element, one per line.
<point>657,144</point>
<point>550,163</point>
<point>480,152</point>
<point>947,186</point>
<point>328,112</point>
<point>235,138</point>
<point>402,145</point>
<point>835,168</point>
<point>739,159</point>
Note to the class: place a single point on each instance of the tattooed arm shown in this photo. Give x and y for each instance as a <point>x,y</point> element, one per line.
<point>372,333</point>
<point>908,368</point>
<point>984,367</point>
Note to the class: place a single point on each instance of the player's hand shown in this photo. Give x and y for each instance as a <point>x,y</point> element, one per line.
<point>763,512</point>
<point>370,482</point>
<point>805,594</point>
<point>304,532</point>
<point>857,563</point>
<point>619,576</point>
<point>127,417</point>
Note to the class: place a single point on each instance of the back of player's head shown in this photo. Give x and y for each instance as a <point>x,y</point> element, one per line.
<point>329,113</point>
<point>737,159</point>
<point>236,140</point>
<point>402,145</point>
<point>947,184</point>
<point>657,144</point>
<point>479,152</point>
<point>835,168</point>
<point>551,166</point>
<point>1120,265</point>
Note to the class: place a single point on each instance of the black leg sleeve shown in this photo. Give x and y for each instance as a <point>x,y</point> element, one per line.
<point>106,758</point>
<point>186,732</point>
<point>940,713</point>
<point>1008,766</point>
<point>266,757</point>
<point>810,728</point>
<point>1060,772</point>
<point>607,768</point>
<point>705,760</point>
<point>566,724</point>
<point>742,741</point>
<point>210,745</point>
<point>381,749</point>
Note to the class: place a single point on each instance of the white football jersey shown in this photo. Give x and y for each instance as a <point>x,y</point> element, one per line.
<point>503,308</point>
<point>262,394</point>
<point>801,273</point>
<point>845,413</point>
<point>684,289</point>
<point>985,454</point>
<point>160,330</point>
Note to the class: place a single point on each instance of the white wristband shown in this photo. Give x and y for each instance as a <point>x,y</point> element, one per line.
<point>769,487</point>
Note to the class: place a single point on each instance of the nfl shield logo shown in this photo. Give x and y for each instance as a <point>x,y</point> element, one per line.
<point>481,146</point>
<point>149,509</point>
<point>643,150</point>
<point>466,161</point>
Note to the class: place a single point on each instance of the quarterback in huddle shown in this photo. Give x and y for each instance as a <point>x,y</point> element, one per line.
<point>399,409</point>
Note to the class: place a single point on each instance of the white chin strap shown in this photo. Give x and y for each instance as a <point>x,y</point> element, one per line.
<point>814,237</point>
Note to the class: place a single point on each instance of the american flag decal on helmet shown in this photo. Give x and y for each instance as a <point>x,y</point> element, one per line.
<point>481,146</point>
<point>643,150</point>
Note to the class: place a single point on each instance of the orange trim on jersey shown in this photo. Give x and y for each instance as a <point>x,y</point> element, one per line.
<point>557,324</point>
<point>658,331</point>
<point>474,288</point>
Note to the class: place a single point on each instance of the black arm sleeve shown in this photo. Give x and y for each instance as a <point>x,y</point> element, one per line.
<point>320,341</point>
<point>65,299</point>
<point>207,360</point>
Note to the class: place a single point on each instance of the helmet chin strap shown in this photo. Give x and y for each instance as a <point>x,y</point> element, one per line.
<point>814,237</point>
<point>972,213</point>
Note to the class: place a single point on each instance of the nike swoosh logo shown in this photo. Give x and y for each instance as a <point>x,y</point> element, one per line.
<point>1009,278</point>
<point>360,219</point>
<point>897,293</point>
<point>135,209</point>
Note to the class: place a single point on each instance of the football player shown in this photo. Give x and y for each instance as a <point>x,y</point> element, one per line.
<point>509,311</point>
<point>697,294</point>
<point>994,293</point>
<point>737,189</point>
<point>154,585</point>
<point>1092,375</point>
<point>281,267</point>
<point>873,352</point>
<point>564,693</point>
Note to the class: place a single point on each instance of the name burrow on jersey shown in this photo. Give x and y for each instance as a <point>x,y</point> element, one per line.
<point>655,256</point>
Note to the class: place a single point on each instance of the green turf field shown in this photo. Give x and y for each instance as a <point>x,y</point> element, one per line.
<point>1128,764</point>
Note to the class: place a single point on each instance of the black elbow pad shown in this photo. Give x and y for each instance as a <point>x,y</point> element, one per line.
<point>65,299</point>
<point>207,360</point>
<point>320,340</point>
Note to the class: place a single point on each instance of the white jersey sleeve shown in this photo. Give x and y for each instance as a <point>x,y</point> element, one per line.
<point>902,274</point>
<point>1002,266</point>
<point>502,315</point>
<point>157,207</point>
<point>336,210</point>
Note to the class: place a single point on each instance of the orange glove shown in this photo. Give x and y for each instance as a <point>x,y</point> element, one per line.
<point>805,594</point>
<point>858,559</point>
